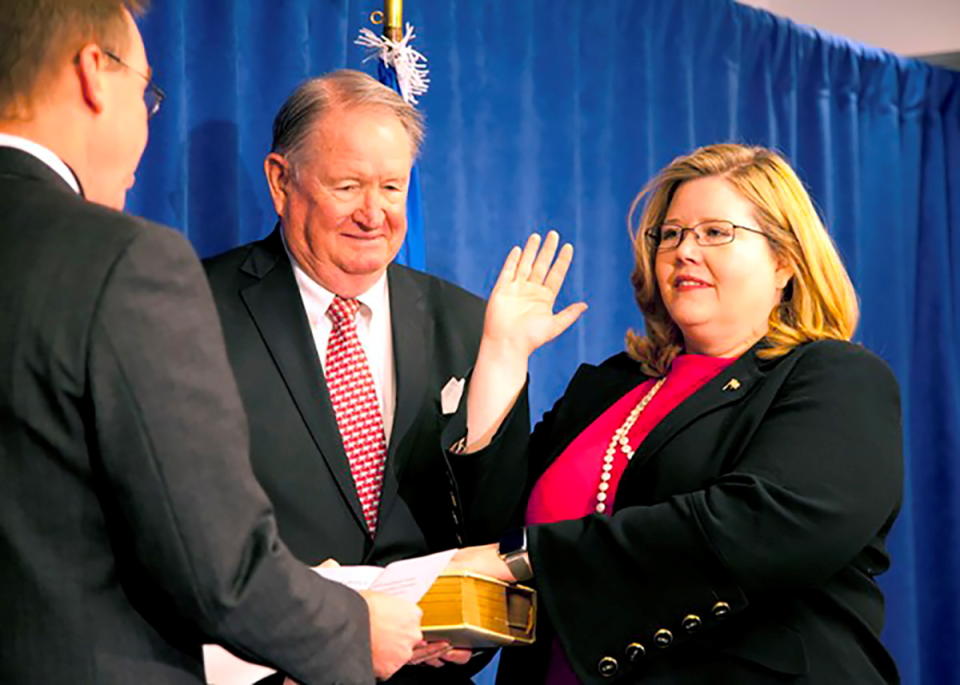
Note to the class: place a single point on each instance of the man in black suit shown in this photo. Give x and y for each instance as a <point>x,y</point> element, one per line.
<point>131,526</point>
<point>338,172</point>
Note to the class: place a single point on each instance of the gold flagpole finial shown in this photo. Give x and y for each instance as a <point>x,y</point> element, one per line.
<point>393,19</point>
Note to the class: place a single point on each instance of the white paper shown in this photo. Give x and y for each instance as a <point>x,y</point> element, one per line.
<point>223,668</point>
<point>354,577</point>
<point>408,579</point>
<point>411,578</point>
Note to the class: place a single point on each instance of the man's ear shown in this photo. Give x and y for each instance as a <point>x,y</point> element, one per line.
<point>90,66</point>
<point>279,173</point>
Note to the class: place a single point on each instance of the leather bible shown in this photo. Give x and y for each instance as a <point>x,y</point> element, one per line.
<point>471,610</point>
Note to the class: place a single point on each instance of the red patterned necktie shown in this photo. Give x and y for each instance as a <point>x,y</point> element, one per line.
<point>354,399</point>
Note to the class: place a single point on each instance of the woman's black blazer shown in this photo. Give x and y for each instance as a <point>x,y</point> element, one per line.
<point>746,532</point>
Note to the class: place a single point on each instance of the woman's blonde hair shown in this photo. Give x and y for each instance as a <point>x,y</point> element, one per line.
<point>818,303</point>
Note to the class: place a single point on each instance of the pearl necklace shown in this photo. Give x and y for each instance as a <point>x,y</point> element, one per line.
<point>621,440</point>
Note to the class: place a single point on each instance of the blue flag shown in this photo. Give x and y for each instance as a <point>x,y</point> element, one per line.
<point>412,252</point>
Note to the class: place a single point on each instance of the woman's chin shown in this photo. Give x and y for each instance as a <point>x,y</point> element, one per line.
<point>693,318</point>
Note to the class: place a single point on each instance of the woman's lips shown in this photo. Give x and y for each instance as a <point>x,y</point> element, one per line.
<point>683,283</point>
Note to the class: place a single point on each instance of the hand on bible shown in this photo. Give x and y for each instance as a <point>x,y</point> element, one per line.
<point>482,559</point>
<point>436,654</point>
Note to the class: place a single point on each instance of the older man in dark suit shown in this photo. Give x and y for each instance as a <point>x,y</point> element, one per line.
<point>351,367</point>
<point>131,526</point>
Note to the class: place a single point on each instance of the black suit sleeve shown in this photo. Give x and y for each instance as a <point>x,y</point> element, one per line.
<point>490,482</point>
<point>814,483</point>
<point>173,461</point>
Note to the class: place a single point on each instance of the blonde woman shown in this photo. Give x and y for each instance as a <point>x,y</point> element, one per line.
<point>711,505</point>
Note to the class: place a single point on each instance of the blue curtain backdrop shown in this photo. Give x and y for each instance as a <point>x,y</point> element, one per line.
<point>553,113</point>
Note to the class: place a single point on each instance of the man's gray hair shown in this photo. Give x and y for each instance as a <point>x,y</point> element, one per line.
<point>341,89</point>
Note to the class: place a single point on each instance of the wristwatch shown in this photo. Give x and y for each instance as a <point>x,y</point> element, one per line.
<point>513,551</point>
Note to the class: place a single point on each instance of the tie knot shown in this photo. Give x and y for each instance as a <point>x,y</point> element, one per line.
<point>343,311</point>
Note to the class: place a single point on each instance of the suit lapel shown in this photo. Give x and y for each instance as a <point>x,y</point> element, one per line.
<point>729,386</point>
<point>412,348</point>
<point>274,303</point>
<point>599,392</point>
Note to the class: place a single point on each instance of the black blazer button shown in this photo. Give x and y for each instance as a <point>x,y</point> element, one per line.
<point>721,610</point>
<point>635,651</point>
<point>608,667</point>
<point>662,638</point>
<point>691,622</point>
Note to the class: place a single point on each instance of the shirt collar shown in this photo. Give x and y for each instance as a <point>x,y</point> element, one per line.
<point>374,301</point>
<point>44,154</point>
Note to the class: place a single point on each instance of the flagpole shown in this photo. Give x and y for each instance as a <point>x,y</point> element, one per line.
<point>402,68</point>
<point>393,19</point>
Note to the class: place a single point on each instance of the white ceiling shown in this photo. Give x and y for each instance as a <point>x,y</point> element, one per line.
<point>907,27</point>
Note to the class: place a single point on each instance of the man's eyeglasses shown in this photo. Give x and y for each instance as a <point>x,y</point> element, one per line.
<point>707,234</point>
<point>152,96</point>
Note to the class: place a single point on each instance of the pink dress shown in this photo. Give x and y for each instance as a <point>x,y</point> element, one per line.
<point>568,488</point>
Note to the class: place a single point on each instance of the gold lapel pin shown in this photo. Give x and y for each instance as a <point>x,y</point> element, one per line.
<point>732,384</point>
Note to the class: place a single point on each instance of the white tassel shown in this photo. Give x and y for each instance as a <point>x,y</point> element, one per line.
<point>410,65</point>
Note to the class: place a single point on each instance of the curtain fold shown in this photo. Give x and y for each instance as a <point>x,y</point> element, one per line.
<point>553,114</point>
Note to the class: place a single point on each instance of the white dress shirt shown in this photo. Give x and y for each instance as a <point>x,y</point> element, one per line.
<point>373,329</point>
<point>44,154</point>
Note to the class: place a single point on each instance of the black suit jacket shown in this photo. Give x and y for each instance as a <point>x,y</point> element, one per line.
<point>431,499</point>
<point>746,534</point>
<point>131,526</point>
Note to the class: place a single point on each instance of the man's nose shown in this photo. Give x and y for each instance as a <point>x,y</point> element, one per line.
<point>371,213</point>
